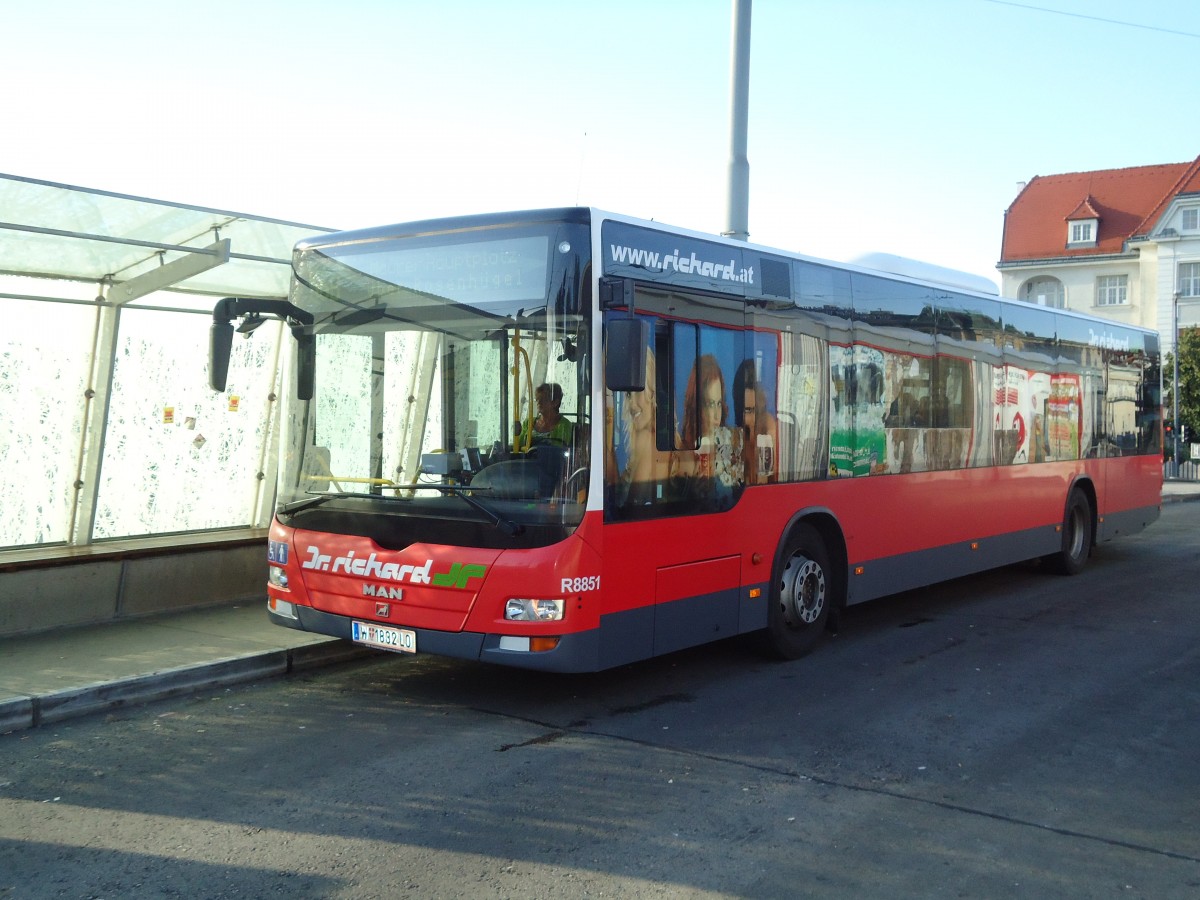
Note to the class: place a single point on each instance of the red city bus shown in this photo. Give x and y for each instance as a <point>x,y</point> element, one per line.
<point>568,440</point>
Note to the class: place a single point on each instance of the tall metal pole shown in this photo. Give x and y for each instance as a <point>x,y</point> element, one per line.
<point>738,215</point>
<point>1175,383</point>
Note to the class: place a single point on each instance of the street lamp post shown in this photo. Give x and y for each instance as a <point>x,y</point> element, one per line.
<point>1175,438</point>
<point>1175,385</point>
<point>737,213</point>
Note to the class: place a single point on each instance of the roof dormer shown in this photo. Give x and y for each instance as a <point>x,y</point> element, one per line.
<point>1083,226</point>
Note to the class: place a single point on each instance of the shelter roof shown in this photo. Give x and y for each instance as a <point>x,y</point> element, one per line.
<point>135,245</point>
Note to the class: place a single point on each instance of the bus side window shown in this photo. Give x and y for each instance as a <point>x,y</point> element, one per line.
<point>684,349</point>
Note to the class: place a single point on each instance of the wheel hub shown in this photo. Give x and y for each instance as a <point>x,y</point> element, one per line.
<point>1075,533</point>
<point>802,593</point>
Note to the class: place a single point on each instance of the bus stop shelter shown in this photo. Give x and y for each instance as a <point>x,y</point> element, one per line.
<point>115,450</point>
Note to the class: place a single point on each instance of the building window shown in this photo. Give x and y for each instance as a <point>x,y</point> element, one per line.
<point>1191,219</point>
<point>1045,292</point>
<point>1111,290</point>
<point>1082,233</point>
<point>1189,279</point>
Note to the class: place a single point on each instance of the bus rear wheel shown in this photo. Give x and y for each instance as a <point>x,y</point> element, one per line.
<point>1076,536</point>
<point>801,595</point>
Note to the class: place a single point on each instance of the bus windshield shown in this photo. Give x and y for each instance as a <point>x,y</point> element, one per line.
<point>450,383</point>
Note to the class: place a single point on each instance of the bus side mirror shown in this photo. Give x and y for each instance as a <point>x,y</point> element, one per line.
<point>220,345</point>
<point>616,293</point>
<point>625,354</point>
<point>252,310</point>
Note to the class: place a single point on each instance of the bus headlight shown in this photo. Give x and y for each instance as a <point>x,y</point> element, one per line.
<point>522,610</point>
<point>277,577</point>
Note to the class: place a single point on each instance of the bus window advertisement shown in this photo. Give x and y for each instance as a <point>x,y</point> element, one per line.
<point>858,443</point>
<point>1064,412</point>
<point>1012,405</point>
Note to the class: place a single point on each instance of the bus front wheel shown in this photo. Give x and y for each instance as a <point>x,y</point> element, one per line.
<point>801,595</point>
<point>1076,536</point>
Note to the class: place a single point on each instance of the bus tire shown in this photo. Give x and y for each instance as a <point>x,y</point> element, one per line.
<point>802,594</point>
<point>1076,536</point>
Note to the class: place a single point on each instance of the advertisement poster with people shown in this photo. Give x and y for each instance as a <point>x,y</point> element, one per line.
<point>756,411</point>
<point>714,433</point>
<point>710,447</point>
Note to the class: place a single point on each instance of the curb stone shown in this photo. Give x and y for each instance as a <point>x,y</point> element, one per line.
<point>19,713</point>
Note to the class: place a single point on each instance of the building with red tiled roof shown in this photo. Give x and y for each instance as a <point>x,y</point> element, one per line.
<point>1120,243</point>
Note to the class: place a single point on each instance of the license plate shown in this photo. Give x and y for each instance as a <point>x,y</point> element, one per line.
<point>398,640</point>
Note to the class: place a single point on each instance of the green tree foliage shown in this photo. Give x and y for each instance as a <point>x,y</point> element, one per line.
<point>1189,386</point>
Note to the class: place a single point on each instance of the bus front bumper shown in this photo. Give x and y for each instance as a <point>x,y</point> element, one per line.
<point>577,652</point>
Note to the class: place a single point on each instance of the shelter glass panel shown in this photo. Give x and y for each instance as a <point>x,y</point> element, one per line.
<point>45,359</point>
<point>178,457</point>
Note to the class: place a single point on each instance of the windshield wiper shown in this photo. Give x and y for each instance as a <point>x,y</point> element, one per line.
<point>297,505</point>
<point>465,493</point>
<point>324,496</point>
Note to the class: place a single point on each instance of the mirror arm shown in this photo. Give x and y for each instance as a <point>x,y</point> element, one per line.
<point>221,336</point>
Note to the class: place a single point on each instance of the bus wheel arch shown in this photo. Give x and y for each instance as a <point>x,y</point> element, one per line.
<point>1078,529</point>
<point>807,589</point>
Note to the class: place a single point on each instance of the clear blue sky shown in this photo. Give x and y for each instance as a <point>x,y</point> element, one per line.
<point>878,125</point>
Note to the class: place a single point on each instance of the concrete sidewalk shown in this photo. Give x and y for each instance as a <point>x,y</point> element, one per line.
<point>1175,490</point>
<point>52,676</point>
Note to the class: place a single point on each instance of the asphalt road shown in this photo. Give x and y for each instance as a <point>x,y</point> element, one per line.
<point>1015,734</point>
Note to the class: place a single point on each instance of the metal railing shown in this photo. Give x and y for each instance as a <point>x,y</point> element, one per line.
<point>1183,471</point>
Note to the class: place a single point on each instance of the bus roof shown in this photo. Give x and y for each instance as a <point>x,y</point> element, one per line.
<point>882,263</point>
<point>923,271</point>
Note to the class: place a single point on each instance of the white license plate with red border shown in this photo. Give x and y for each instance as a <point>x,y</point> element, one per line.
<point>383,637</point>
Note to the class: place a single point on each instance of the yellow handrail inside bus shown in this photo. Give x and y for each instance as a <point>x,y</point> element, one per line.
<point>321,455</point>
<point>518,354</point>
<point>385,482</point>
